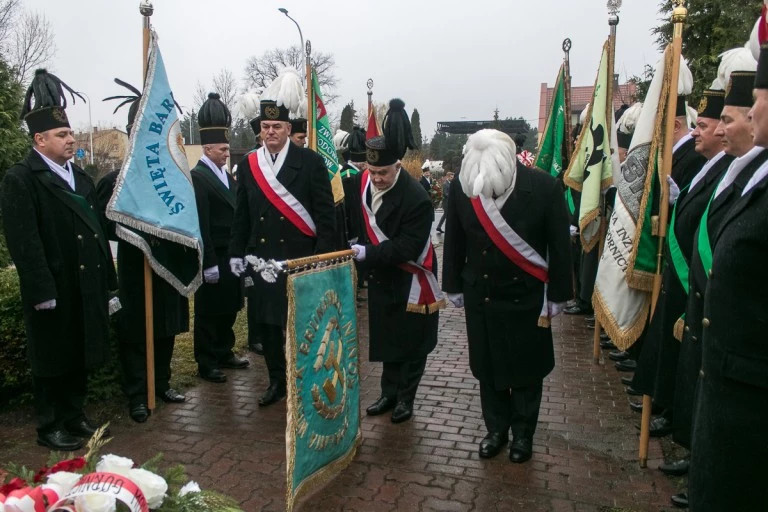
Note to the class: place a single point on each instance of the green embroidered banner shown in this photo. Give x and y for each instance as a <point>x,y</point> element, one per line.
<point>323,427</point>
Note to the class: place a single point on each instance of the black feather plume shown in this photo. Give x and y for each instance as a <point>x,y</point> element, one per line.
<point>397,129</point>
<point>214,113</point>
<point>48,91</point>
<point>133,100</point>
<point>356,140</point>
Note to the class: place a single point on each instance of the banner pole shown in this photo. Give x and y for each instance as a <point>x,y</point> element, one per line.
<point>567,45</point>
<point>146,10</point>
<point>311,109</point>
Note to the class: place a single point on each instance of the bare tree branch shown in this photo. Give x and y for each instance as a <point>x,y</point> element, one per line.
<point>9,10</point>
<point>33,46</point>
<point>262,70</point>
<point>199,97</point>
<point>225,84</point>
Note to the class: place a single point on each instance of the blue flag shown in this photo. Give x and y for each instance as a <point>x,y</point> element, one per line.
<point>154,200</point>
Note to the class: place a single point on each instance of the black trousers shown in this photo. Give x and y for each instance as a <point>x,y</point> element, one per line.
<point>589,263</point>
<point>442,219</point>
<point>401,380</point>
<point>254,327</point>
<point>516,408</point>
<point>59,400</point>
<point>213,339</point>
<point>273,340</point>
<point>133,359</point>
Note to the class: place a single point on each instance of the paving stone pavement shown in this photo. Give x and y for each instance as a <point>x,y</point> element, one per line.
<point>584,458</point>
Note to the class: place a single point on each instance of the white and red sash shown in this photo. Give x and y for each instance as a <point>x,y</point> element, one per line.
<point>279,196</point>
<point>512,246</point>
<point>425,296</point>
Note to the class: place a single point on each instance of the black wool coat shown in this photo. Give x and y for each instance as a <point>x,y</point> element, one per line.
<point>170,308</point>
<point>216,209</point>
<point>405,217</point>
<point>260,229</point>
<point>57,241</point>
<point>658,364</point>
<point>686,163</point>
<point>731,415</point>
<point>503,303</point>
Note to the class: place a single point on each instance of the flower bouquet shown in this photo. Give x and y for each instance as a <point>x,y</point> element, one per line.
<point>106,484</point>
<point>436,193</point>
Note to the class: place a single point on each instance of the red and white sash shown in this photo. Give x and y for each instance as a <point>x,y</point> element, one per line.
<point>278,195</point>
<point>425,296</point>
<point>512,246</point>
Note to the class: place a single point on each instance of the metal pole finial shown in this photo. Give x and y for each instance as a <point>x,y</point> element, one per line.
<point>146,8</point>
<point>614,6</point>
<point>567,45</point>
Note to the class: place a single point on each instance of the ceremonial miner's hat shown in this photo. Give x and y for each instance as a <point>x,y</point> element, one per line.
<point>132,99</point>
<point>711,104</point>
<point>761,79</point>
<point>682,101</point>
<point>739,90</point>
<point>397,137</point>
<point>248,105</point>
<point>50,102</point>
<point>284,96</point>
<point>299,125</point>
<point>214,120</point>
<point>356,145</point>
<point>625,125</point>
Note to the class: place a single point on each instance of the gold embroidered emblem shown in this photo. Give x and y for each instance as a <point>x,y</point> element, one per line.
<point>372,155</point>
<point>226,135</point>
<point>59,114</point>
<point>271,112</point>
<point>702,105</point>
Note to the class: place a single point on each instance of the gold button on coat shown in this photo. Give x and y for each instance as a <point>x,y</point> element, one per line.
<point>705,322</point>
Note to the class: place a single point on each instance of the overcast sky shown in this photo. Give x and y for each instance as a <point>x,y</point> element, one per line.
<point>451,60</point>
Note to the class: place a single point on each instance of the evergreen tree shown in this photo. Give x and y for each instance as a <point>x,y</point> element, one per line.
<point>348,117</point>
<point>713,26</point>
<point>416,126</point>
<point>14,141</point>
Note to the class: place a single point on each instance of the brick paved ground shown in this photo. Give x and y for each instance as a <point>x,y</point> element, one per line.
<point>584,450</point>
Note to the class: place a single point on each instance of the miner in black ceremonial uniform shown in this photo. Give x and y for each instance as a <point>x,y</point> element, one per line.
<point>399,260</point>
<point>507,262</point>
<point>56,237</point>
<point>728,452</point>
<point>299,132</point>
<point>170,308</point>
<point>284,211</point>
<point>220,297</point>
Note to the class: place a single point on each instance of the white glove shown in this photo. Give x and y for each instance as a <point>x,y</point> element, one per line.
<point>49,304</point>
<point>674,190</point>
<point>211,275</point>
<point>555,308</point>
<point>457,299</point>
<point>237,266</point>
<point>574,231</point>
<point>359,252</point>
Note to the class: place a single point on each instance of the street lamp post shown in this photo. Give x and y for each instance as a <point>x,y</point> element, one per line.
<point>301,36</point>
<point>90,123</point>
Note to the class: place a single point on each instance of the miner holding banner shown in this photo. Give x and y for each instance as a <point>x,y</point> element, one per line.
<point>284,210</point>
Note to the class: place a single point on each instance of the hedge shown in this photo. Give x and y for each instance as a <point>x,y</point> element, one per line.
<point>15,374</point>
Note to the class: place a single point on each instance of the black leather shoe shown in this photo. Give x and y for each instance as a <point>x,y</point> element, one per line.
<point>402,412</point>
<point>627,381</point>
<point>380,406</point>
<point>171,396</point>
<point>273,394</point>
<point>676,468</point>
<point>139,413</point>
<point>680,500</point>
<point>628,365</point>
<point>618,355</point>
<point>520,450</point>
<point>638,407</point>
<point>214,375</point>
<point>235,363</point>
<point>59,440</point>
<point>577,310</point>
<point>632,391</point>
<point>257,348</point>
<point>492,444</point>
<point>83,428</point>
<point>660,427</point>
<point>608,345</point>
<point>590,318</point>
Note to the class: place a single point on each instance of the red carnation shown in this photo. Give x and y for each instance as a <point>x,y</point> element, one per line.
<point>71,465</point>
<point>14,485</point>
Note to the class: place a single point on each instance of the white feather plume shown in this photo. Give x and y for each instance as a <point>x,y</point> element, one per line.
<point>425,165</point>
<point>583,115</point>
<point>341,140</point>
<point>489,164</point>
<point>736,59</point>
<point>753,45</point>
<point>628,120</point>
<point>692,115</point>
<point>286,90</point>
<point>685,83</point>
<point>248,105</point>
<point>716,85</point>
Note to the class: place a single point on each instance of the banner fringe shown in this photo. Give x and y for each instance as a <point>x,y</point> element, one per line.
<point>622,338</point>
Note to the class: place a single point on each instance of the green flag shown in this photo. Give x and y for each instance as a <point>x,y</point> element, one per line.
<point>550,157</point>
<point>323,142</point>
<point>591,167</point>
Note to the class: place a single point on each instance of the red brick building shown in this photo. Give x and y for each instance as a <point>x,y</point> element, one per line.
<point>580,96</point>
